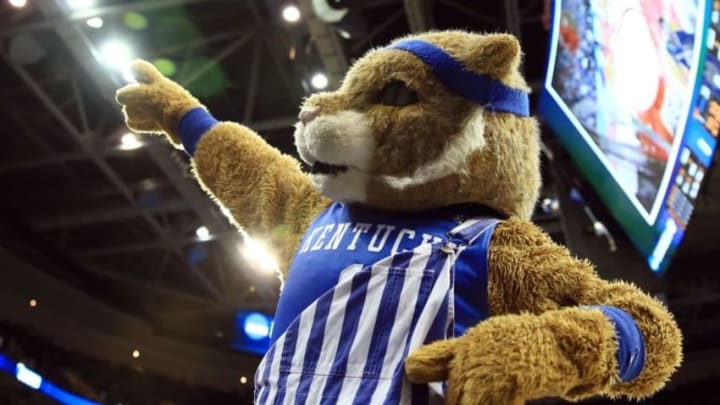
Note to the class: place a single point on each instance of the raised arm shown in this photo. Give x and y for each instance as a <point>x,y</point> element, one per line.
<point>556,330</point>
<point>265,191</point>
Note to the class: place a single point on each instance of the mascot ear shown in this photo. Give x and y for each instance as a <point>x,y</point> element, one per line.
<point>499,54</point>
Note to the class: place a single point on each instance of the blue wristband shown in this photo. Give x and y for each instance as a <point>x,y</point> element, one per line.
<point>631,347</point>
<point>192,126</point>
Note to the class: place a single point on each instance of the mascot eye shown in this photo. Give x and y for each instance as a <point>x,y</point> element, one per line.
<point>397,94</point>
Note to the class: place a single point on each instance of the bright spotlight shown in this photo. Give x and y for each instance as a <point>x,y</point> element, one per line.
<point>256,326</point>
<point>136,354</point>
<point>129,141</point>
<point>18,3</point>
<point>128,75</point>
<point>203,234</point>
<point>243,380</point>
<point>291,14</point>
<point>80,4</point>
<point>95,22</point>
<point>319,81</point>
<point>28,377</point>
<point>116,54</point>
<point>258,255</point>
<point>33,303</point>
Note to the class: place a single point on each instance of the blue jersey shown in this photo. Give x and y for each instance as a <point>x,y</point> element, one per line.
<point>345,235</point>
<point>350,344</point>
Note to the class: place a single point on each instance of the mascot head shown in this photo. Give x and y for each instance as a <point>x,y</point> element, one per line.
<point>429,121</point>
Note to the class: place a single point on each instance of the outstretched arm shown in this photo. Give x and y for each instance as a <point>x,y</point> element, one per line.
<point>556,329</point>
<point>265,191</point>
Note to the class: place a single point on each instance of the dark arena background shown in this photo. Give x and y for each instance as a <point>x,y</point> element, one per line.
<point>121,282</point>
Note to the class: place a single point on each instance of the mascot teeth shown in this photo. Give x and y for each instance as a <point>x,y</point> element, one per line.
<point>325,168</point>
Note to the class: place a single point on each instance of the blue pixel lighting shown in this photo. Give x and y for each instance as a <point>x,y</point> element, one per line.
<point>27,376</point>
<point>257,326</point>
<point>35,381</point>
<point>251,332</point>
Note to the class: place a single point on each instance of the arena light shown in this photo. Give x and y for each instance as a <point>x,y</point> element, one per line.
<point>35,381</point>
<point>94,22</point>
<point>243,380</point>
<point>128,75</point>
<point>319,81</point>
<point>129,141</point>
<point>203,234</point>
<point>256,326</point>
<point>33,303</point>
<point>28,377</point>
<point>116,53</point>
<point>258,255</point>
<point>18,3</point>
<point>80,4</point>
<point>291,13</point>
<point>136,354</point>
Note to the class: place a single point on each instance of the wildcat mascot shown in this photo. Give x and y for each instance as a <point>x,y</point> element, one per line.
<point>412,272</point>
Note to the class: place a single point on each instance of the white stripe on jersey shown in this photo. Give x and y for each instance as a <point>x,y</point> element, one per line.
<point>434,301</point>
<point>306,321</point>
<point>401,326</point>
<point>363,337</point>
<point>394,331</point>
<point>275,370</point>
<point>331,338</point>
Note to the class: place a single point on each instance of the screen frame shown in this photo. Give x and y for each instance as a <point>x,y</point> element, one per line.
<point>642,228</point>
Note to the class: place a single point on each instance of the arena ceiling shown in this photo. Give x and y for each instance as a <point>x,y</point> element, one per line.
<point>121,223</point>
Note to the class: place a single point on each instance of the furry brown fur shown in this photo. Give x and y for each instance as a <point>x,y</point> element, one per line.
<point>540,341</point>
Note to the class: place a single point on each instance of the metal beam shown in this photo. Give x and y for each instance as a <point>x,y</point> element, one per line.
<point>327,43</point>
<point>513,21</point>
<point>205,40</point>
<point>249,107</point>
<point>68,17</point>
<point>186,185</point>
<point>80,101</point>
<point>227,51</point>
<point>418,15</point>
<point>102,165</point>
<point>483,18</point>
<point>358,46</point>
<point>107,214</point>
<point>42,162</point>
<point>158,244</point>
<point>275,53</point>
<point>147,285</point>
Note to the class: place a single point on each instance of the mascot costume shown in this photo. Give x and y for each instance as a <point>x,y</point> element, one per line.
<point>412,273</point>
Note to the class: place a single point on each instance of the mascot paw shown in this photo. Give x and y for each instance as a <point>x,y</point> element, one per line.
<point>499,362</point>
<point>473,378</point>
<point>154,103</point>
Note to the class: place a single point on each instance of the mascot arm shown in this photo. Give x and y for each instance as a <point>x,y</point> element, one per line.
<point>557,330</point>
<point>614,339</point>
<point>265,191</point>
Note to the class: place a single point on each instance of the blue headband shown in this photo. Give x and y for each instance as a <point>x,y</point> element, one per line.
<point>481,89</point>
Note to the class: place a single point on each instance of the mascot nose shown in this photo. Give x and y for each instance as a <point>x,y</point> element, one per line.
<point>308,114</point>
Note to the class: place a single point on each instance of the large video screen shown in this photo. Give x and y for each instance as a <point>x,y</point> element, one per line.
<point>633,93</point>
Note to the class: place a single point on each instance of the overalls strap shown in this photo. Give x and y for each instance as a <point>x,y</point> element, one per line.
<point>469,231</point>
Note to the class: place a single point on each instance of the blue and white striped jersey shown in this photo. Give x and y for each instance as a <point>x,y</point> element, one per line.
<point>344,235</point>
<point>348,344</point>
